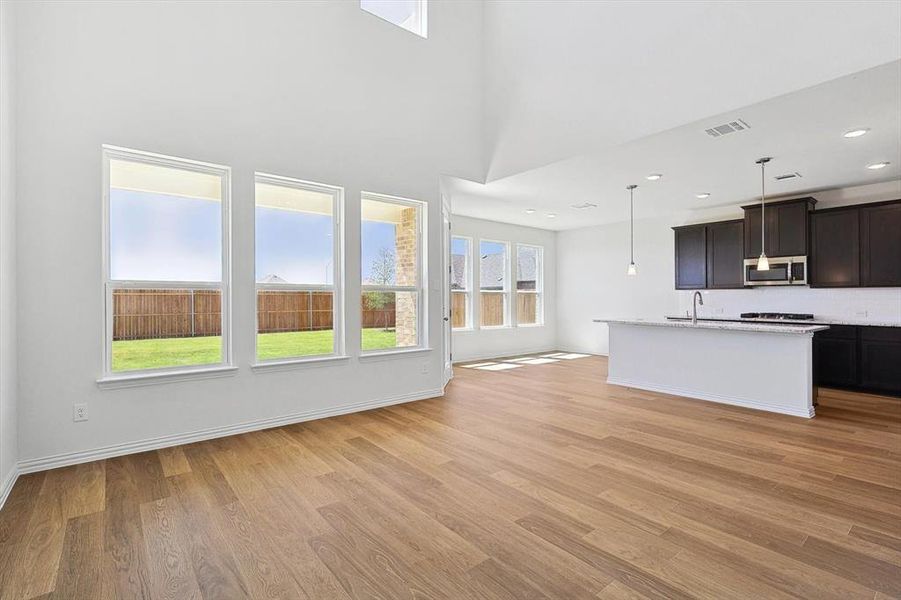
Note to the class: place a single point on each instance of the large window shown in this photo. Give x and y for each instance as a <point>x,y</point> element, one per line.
<point>461,283</point>
<point>493,284</point>
<point>166,263</point>
<point>409,14</point>
<point>298,269</point>
<point>392,259</point>
<point>529,285</point>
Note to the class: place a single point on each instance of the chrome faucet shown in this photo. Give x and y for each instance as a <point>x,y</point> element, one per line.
<point>695,299</point>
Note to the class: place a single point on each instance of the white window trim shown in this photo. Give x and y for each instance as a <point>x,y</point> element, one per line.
<point>467,282</point>
<point>337,288</point>
<point>508,314</point>
<point>110,378</point>
<point>421,26</point>
<point>421,290</point>
<point>539,285</point>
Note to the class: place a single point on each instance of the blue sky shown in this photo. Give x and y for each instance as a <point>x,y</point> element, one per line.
<point>171,238</point>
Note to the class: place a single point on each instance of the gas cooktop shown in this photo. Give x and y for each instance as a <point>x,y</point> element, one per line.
<point>778,316</point>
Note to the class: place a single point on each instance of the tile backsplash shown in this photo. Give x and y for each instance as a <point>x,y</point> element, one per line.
<point>854,304</point>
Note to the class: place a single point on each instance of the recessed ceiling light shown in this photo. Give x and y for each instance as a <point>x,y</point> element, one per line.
<point>551,215</point>
<point>703,195</point>
<point>879,165</point>
<point>654,176</point>
<point>530,211</point>
<point>856,132</point>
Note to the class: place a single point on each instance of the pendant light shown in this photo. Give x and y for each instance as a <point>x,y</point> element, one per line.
<point>631,270</point>
<point>763,264</point>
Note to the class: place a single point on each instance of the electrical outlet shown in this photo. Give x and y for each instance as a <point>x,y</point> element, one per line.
<point>860,313</point>
<point>424,369</point>
<point>79,412</point>
<point>717,311</point>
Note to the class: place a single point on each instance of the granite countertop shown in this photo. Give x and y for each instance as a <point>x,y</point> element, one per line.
<point>789,328</point>
<point>839,321</point>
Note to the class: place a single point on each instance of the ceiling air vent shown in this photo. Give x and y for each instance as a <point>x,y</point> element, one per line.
<point>584,205</point>
<point>726,128</point>
<point>785,176</point>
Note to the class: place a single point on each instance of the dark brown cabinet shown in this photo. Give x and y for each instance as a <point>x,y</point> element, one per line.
<point>691,257</point>
<point>786,228</point>
<point>709,255</point>
<point>835,356</point>
<point>880,359</point>
<point>835,248</point>
<point>725,245</point>
<point>880,245</point>
<point>860,358</point>
<point>856,246</point>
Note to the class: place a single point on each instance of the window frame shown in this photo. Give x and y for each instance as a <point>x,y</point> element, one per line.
<point>421,289</point>
<point>108,154</point>
<point>337,287</point>
<point>505,292</point>
<point>467,281</point>
<point>539,286</point>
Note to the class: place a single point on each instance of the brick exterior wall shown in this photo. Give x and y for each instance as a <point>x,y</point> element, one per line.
<point>406,245</point>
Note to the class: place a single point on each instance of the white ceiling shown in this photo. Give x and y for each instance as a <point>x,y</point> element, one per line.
<point>802,131</point>
<point>565,78</point>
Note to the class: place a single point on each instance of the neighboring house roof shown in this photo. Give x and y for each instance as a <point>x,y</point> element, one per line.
<point>491,273</point>
<point>458,271</point>
<point>272,278</point>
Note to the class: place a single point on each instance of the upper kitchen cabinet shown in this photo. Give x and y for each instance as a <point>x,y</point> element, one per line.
<point>880,244</point>
<point>835,248</point>
<point>786,228</point>
<point>691,257</point>
<point>725,244</point>
<point>709,255</point>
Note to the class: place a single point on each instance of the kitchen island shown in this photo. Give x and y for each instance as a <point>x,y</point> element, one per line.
<point>756,365</point>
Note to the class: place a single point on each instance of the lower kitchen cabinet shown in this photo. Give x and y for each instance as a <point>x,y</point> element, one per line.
<point>866,359</point>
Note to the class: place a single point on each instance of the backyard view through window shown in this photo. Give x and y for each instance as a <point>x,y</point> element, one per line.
<point>493,283</point>
<point>529,271</point>
<point>297,242</point>
<point>461,282</point>
<point>164,283</point>
<point>391,259</point>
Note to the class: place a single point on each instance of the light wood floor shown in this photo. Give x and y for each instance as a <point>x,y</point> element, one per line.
<point>539,482</point>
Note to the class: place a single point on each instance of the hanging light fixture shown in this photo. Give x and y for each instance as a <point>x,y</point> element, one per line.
<point>763,264</point>
<point>631,270</point>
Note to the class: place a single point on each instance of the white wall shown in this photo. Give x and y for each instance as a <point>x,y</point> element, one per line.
<point>592,283</point>
<point>8,379</point>
<point>488,343</point>
<point>316,90</point>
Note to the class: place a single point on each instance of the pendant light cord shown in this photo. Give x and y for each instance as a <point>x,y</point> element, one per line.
<point>762,207</point>
<point>631,225</point>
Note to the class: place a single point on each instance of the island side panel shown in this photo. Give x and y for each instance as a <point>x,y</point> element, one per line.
<point>765,371</point>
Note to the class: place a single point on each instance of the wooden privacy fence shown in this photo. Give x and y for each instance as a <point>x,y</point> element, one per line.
<point>164,313</point>
<point>491,306</point>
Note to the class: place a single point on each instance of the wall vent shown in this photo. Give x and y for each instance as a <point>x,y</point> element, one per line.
<point>785,176</point>
<point>726,128</point>
<point>584,205</point>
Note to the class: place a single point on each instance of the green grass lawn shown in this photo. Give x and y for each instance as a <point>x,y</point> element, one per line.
<point>131,355</point>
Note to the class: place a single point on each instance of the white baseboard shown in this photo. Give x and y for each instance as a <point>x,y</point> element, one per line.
<point>712,398</point>
<point>74,458</point>
<point>500,353</point>
<point>7,486</point>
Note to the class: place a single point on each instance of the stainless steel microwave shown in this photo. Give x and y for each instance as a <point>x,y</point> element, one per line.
<point>784,270</point>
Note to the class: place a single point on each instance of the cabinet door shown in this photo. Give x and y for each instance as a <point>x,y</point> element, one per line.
<point>691,257</point>
<point>752,232</point>
<point>880,357</point>
<point>725,253</point>
<point>835,357</point>
<point>834,248</point>
<point>791,230</point>
<point>880,245</point>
